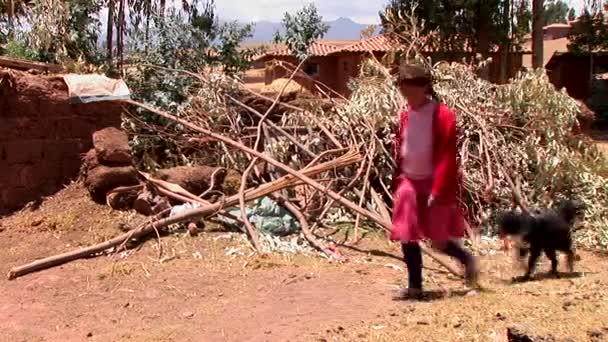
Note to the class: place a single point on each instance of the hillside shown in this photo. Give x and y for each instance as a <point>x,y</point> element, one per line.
<point>339,29</point>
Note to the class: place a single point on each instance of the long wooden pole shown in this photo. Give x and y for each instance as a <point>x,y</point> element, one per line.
<point>263,190</point>
<point>385,224</point>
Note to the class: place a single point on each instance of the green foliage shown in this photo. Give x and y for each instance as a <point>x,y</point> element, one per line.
<point>556,11</point>
<point>571,14</point>
<point>186,41</point>
<point>477,23</point>
<point>16,48</point>
<point>189,39</point>
<point>524,126</point>
<point>590,34</point>
<point>55,31</point>
<point>229,54</point>
<point>458,23</point>
<point>83,26</point>
<point>523,19</point>
<point>301,30</point>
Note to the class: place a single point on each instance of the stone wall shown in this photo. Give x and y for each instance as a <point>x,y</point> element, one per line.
<point>42,135</point>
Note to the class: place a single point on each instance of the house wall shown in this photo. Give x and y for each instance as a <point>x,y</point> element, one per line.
<point>556,32</point>
<point>42,136</point>
<point>347,68</point>
<point>337,70</point>
<point>327,75</point>
<point>573,72</point>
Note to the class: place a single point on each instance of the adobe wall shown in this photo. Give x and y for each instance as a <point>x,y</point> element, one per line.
<point>42,135</point>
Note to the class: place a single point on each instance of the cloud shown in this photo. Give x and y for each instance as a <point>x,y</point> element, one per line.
<point>362,11</point>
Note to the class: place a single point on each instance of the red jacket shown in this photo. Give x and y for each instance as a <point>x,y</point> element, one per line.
<point>446,178</point>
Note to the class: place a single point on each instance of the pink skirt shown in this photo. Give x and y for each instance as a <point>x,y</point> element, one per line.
<point>414,220</point>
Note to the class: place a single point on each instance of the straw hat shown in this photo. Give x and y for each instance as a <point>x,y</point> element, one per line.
<point>414,72</point>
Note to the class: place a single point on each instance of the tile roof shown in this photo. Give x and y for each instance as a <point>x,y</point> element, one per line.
<point>325,48</point>
<point>378,43</point>
<point>557,25</point>
<point>315,49</point>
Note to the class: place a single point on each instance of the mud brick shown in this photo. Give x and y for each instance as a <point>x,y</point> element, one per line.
<point>25,175</point>
<point>59,150</point>
<point>21,151</point>
<point>12,198</point>
<point>62,127</point>
<point>23,106</point>
<point>21,127</point>
<point>82,127</point>
<point>59,110</point>
<point>50,186</point>
<point>70,169</point>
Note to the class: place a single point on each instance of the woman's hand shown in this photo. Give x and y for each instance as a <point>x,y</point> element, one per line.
<point>430,201</point>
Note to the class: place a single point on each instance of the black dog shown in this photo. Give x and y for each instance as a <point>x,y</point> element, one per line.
<point>545,231</point>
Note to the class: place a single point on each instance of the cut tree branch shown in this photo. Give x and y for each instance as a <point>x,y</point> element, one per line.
<point>187,215</point>
<point>385,224</point>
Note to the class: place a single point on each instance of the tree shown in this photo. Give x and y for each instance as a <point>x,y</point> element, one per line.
<point>523,18</point>
<point>456,24</point>
<point>301,30</point>
<point>571,14</point>
<point>368,32</point>
<point>10,12</point>
<point>590,35</point>
<point>555,11</point>
<point>537,34</point>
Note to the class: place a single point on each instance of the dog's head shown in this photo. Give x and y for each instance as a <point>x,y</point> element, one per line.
<point>570,209</point>
<point>511,223</point>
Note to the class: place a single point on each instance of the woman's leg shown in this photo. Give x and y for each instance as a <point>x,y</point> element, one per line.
<point>456,250</point>
<point>412,256</point>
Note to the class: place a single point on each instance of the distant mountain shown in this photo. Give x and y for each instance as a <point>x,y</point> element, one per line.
<point>339,29</point>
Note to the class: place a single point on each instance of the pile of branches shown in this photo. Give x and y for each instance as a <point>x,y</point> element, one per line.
<point>517,146</point>
<point>519,143</point>
<point>519,139</point>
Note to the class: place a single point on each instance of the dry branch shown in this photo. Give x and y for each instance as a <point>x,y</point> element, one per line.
<point>192,214</point>
<point>305,227</point>
<point>385,224</point>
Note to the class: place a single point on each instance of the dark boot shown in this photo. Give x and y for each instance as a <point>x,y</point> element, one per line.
<point>412,256</point>
<point>471,273</point>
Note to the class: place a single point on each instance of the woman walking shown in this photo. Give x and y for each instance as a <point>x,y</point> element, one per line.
<point>426,182</point>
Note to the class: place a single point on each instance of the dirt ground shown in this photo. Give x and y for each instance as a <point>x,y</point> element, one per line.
<point>200,291</point>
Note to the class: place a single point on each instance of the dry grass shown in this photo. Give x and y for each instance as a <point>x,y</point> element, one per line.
<point>197,282</point>
<point>278,84</point>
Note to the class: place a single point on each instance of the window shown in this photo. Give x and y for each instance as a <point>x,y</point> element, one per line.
<point>312,69</point>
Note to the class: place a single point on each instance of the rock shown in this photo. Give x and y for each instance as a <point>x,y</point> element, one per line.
<point>595,335</point>
<point>102,179</point>
<point>112,145</point>
<point>122,200</point>
<point>524,334</point>
<point>149,204</point>
<point>192,229</point>
<point>89,162</point>
<point>197,179</point>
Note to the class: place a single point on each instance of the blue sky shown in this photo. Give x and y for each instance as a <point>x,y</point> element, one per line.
<point>362,11</point>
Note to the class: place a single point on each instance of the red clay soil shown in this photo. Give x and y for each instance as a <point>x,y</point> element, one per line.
<point>195,291</point>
